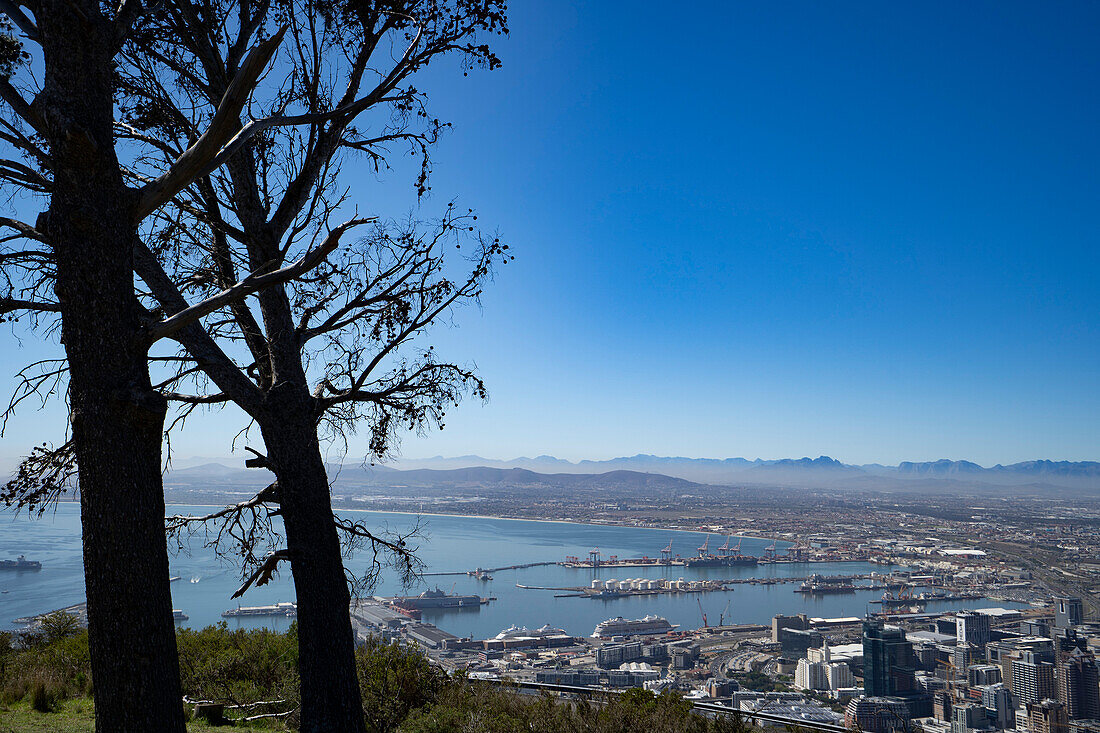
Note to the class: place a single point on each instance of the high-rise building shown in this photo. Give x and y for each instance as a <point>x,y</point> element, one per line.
<point>811,675</point>
<point>1001,706</point>
<point>888,664</point>
<point>972,629</point>
<point>1068,612</point>
<point>941,705</point>
<point>1076,677</point>
<point>983,674</point>
<point>1047,716</point>
<point>840,676</point>
<point>1033,676</point>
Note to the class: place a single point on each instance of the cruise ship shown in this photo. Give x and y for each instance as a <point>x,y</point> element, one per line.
<point>22,563</point>
<point>522,632</point>
<point>620,626</point>
<point>276,609</point>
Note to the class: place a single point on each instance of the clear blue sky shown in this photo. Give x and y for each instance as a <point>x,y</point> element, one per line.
<point>771,230</point>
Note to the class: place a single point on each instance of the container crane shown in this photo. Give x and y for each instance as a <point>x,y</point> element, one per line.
<point>704,546</point>
<point>725,548</point>
<point>666,553</point>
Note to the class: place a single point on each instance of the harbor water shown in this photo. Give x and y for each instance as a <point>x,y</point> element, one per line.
<point>452,543</point>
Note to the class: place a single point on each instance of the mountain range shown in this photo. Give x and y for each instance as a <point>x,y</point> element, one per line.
<point>649,471</point>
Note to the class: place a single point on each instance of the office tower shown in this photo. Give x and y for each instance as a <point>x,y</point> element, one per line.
<point>888,663</point>
<point>972,629</point>
<point>1001,706</point>
<point>1033,676</point>
<point>1047,716</point>
<point>1078,684</point>
<point>983,674</point>
<point>1068,612</point>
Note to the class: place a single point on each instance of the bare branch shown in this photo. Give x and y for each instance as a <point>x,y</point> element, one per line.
<point>17,16</point>
<point>197,160</point>
<point>263,574</point>
<point>253,283</point>
<point>10,305</point>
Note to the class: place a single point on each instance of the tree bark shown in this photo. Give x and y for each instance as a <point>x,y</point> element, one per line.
<point>117,419</point>
<point>331,700</point>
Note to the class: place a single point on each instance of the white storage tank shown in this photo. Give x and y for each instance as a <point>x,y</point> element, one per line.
<point>597,584</point>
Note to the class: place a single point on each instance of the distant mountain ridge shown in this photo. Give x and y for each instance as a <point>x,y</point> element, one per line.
<point>823,471</point>
<point>649,472</point>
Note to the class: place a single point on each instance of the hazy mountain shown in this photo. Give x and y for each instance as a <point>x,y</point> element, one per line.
<point>648,472</point>
<point>818,472</point>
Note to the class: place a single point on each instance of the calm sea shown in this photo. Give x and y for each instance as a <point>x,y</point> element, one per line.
<point>449,544</point>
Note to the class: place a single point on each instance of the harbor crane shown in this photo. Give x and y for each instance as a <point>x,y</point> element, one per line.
<point>769,551</point>
<point>595,556</point>
<point>702,613</point>
<point>666,553</point>
<point>704,546</point>
<point>737,550</point>
<point>722,616</point>
<point>725,548</point>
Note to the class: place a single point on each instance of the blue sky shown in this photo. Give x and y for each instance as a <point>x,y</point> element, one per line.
<point>769,230</point>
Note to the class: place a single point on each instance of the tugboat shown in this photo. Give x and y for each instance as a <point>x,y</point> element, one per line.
<point>22,563</point>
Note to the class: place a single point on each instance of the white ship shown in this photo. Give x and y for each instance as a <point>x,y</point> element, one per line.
<point>522,632</point>
<point>620,626</point>
<point>278,609</point>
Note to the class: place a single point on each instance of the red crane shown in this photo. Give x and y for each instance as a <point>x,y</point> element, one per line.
<point>702,612</point>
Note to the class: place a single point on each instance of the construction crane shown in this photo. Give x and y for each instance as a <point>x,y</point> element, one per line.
<point>702,613</point>
<point>722,616</point>
<point>951,673</point>
<point>666,553</point>
<point>704,546</point>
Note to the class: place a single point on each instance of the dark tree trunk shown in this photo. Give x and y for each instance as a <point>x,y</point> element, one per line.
<point>331,700</point>
<point>117,419</point>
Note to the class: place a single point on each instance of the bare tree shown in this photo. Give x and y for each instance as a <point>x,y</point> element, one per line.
<point>332,338</point>
<point>106,181</point>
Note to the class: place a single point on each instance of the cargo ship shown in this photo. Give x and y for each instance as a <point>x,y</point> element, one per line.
<point>20,563</point>
<point>178,615</point>
<point>276,609</point>
<point>720,561</point>
<point>619,626</point>
<point>903,600</point>
<point>819,589</point>
<point>436,599</point>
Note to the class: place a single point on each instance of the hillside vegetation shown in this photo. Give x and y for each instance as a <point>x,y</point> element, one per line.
<point>46,685</point>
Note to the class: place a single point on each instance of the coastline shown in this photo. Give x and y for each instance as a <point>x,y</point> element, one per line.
<point>515,519</point>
